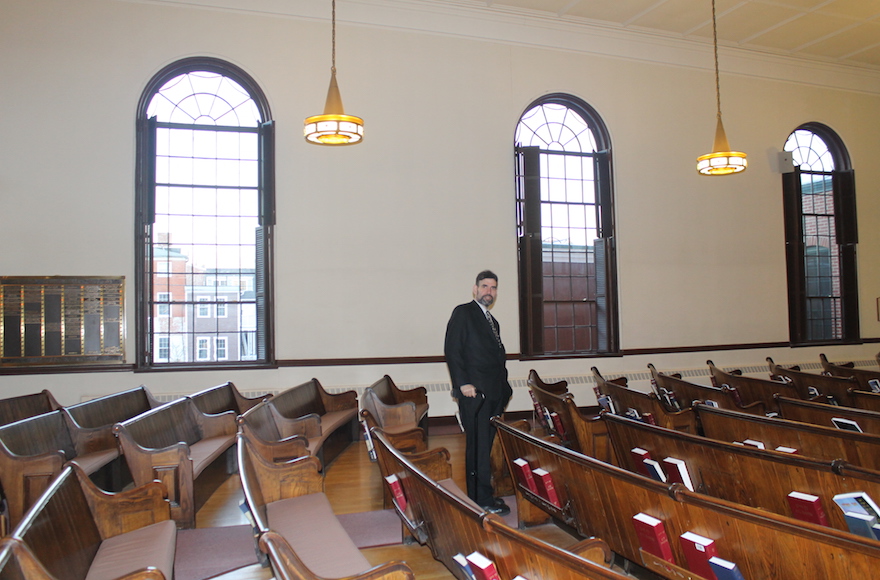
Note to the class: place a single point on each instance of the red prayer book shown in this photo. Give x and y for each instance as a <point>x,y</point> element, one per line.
<point>638,456</point>
<point>677,472</point>
<point>482,567</point>
<point>652,536</point>
<point>546,488</point>
<point>697,550</point>
<point>557,424</point>
<point>807,507</point>
<point>396,491</point>
<point>524,474</point>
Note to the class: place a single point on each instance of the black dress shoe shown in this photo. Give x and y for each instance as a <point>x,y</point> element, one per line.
<point>502,510</point>
<point>499,501</point>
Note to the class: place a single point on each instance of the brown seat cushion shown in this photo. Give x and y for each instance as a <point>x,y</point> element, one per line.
<point>152,545</point>
<point>315,534</point>
<point>207,450</point>
<point>92,462</point>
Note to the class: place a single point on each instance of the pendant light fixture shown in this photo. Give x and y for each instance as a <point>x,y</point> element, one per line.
<point>722,161</point>
<point>334,127</point>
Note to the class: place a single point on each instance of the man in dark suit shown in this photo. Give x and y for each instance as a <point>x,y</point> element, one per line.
<point>476,360</point>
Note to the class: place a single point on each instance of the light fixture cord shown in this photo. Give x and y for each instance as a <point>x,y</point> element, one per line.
<point>715,44</point>
<point>333,39</point>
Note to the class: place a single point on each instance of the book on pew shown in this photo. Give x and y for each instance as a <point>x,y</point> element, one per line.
<point>557,424</point>
<point>545,485</point>
<point>697,550</point>
<point>677,472</point>
<point>725,570</point>
<point>607,404</point>
<point>652,536</point>
<point>654,470</point>
<point>846,424</point>
<point>875,385</point>
<point>649,418</point>
<point>807,507</point>
<point>861,524</point>
<point>633,414</point>
<point>876,529</point>
<point>784,449</point>
<point>397,491</point>
<point>754,443</point>
<point>465,566</point>
<point>368,438</point>
<point>859,502</point>
<point>638,456</point>
<point>539,411</point>
<point>524,474</point>
<point>482,567</point>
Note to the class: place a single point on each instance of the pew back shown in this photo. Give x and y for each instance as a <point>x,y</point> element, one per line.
<point>863,376</point>
<point>824,414</point>
<point>224,397</point>
<point>826,443</point>
<point>745,475</point>
<point>112,408</point>
<point>645,403</point>
<point>600,500</point>
<point>688,393</point>
<point>165,425</point>
<point>752,389</point>
<point>14,409</point>
<point>811,385</point>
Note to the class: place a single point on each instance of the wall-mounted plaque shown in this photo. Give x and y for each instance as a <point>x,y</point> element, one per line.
<point>61,320</point>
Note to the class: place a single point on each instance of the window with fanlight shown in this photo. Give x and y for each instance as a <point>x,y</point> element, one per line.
<point>565,230</point>
<point>205,217</point>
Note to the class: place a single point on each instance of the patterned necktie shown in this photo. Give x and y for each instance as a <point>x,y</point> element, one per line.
<point>494,328</point>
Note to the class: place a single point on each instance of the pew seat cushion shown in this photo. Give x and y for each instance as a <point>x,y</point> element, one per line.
<point>204,452</point>
<point>153,545</point>
<point>313,531</point>
<point>329,423</point>
<point>92,462</point>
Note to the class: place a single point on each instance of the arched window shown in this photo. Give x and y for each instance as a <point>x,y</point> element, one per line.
<point>205,211</point>
<point>821,237</point>
<point>565,230</point>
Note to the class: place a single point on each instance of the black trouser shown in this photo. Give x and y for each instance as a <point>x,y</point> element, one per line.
<point>479,436</point>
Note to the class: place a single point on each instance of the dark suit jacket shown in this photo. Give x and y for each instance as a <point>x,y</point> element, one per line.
<point>473,355</point>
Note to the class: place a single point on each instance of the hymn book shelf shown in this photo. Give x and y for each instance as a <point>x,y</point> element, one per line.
<point>61,320</point>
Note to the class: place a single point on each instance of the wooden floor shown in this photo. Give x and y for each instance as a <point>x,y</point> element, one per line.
<point>353,484</point>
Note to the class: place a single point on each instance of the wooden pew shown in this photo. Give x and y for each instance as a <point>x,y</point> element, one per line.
<point>625,398</point>
<point>35,450</point>
<point>295,524</point>
<point>745,475</point>
<point>576,433</point>
<point>271,434</point>
<point>14,409</point>
<point>822,414</point>
<point>440,515</point>
<point>600,500</point>
<point>812,385</point>
<point>329,421</point>
<point>226,397</point>
<point>395,409</point>
<point>413,440</point>
<point>864,376</point>
<point>175,443</point>
<point>76,530</point>
<point>113,408</point>
<point>752,389</point>
<point>688,393</point>
<point>827,443</point>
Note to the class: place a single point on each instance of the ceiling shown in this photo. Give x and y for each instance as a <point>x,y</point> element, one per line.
<point>833,31</point>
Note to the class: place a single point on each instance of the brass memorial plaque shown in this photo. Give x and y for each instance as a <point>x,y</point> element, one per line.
<point>61,320</point>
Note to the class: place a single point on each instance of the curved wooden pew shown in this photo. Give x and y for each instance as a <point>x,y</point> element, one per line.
<point>688,393</point>
<point>295,525</point>
<point>650,404</point>
<point>600,500</point>
<point>35,450</point>
<point>826,443</point>
<point>812,385</point>
<point>329,421</point>
<point>175,443</point>
<point>395,409</point>
<point>752,389</point>
<point>225,397</point>
<point>274,436</point>
<point>742,474</point>
<point>77,531</point>
<point>863,376</point>
<point>575,431</point>
<point>441,516</point>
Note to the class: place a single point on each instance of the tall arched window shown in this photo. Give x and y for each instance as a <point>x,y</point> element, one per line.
<point>205,211</point>
<point>821,237</point>
<point>565,229</point>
